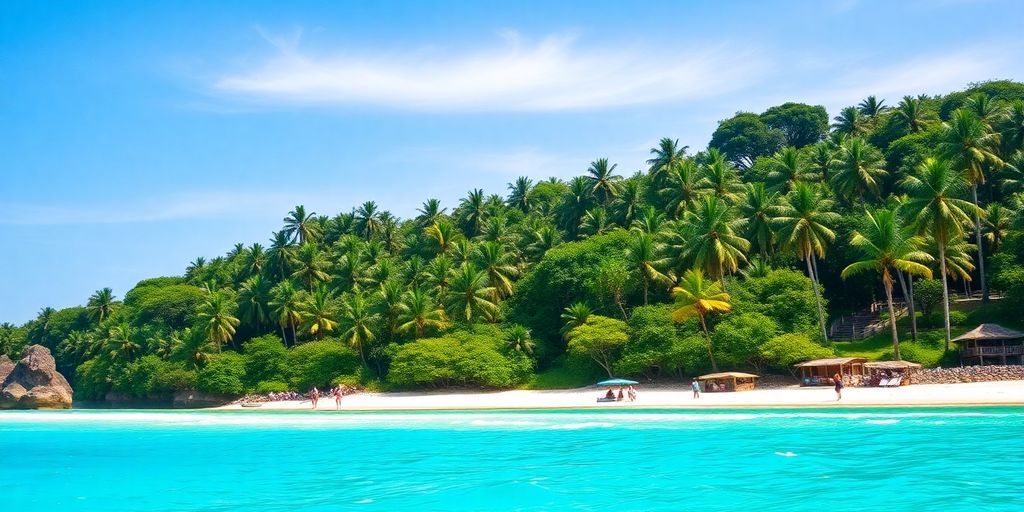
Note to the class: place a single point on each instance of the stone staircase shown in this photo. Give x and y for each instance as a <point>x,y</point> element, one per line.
<point>863,323</point>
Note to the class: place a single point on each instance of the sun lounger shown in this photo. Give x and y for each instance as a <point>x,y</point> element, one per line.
<point>883,383</point>
<point>893,383</point>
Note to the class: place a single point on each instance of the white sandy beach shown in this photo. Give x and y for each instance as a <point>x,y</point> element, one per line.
<point>979,393</point>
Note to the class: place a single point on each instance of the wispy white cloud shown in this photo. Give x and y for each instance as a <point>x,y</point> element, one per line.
<point>553,73</point>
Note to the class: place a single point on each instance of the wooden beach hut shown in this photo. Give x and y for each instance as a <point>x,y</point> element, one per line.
<point>890,373</point>
<point>728,381</point>
<point>991,344</point>
<point>819,372</point>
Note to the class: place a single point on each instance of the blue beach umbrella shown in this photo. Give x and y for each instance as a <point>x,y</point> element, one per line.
<point>616,382</point>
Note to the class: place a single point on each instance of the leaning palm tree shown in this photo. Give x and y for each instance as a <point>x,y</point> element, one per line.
<point>217,315</point>
<point>300,226</point>
<point>604,183</point>
<point>357,321</point>
<point>698,297</point>
<point>644,255</point>
<point>707,239</point>
<point>887,249</point>
<point>970,145</point>
<point>420,313</point>
<point>935,209</point>
<point>859,170</point>
<point>664,158</point>
<point>470,296</point>
<point>286,306</point>
<point>319,312</point>
<point>803,221</point>
<point>101,304</point>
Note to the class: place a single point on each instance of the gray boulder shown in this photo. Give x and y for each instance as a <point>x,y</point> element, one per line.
<point>6,365</point>
<point>34,383</point>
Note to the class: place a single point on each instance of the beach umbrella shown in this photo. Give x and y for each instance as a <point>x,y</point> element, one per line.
<point>617,382</point>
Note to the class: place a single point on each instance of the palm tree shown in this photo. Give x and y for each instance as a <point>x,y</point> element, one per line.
<point>664,158</point>
<point>389,304</point>
<point>912,115</point>
<point>935,208</point>
<point>542,240</point>
<point>439,274</point>
<point>819,161</point>
<point>280,255</point>
<point>682,187</point>
<point>254,300</point>
<point>887,249</point>
<point>872,107</point>
<point>420,313</point>
<point>630,200</point>
<point>987,110</point>
<point>300,226</point>
<point>517,338</point>
<point>575,316</point>
<point>756,212</point>
<point>644,255</point>
<point>443,234</point>
<point>649,221</point>
<point>469,295</point>
<point>101,304</point>
<point>497,263</point>
<point>286,306</point>
<point>309,266</point>
<point>120,344</point>
<point>1012,128</point>
<point>788,169</point>
<point>859,169</point>
<point>575,204</point>
<point>850,122</point>
<point>318,312</point>
<point>368,219</point>
<point>193,347</point>
<point>996,225</point>
<point>969,144</point>
<point>596,222</point>
<point>255,260</point>
<point>803,221</point>
<point>697,297</point>
<point>708,239</point>
<point>217,315</point>
<point>604,184</point>
<point>519,193</point>
<point>357,320</point>
<point>720,177</point>
<point>430,212</point>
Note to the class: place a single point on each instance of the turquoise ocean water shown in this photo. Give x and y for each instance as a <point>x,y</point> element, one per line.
<point>835,460</point>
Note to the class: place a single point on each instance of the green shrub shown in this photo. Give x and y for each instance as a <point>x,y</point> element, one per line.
<point>931,339</point>
<point>137,378</point>
<point>956,318</point>
<point>271,386</point>
<point>175,377</point>
<point>91,379</point>
<point>460,358</point>
<point>265,360</point>
<point>222,375</point>
<point>785,350</point>
<point>317,363</point>
<point>739,339</point>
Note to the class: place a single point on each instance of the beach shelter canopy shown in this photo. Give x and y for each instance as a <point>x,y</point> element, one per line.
<point>831,362</point>
<point>728,375</point>
<point>891,365</point>
<point>729,381</point>
<point>617,382</point>
<point>989,332</point>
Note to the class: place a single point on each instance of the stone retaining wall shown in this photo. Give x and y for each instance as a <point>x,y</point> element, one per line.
<point>968,374</point>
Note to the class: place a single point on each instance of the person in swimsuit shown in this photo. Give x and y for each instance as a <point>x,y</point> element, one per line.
<point>839,386</point>
<point>632,394</point>
<point>314,396</point>
<point>338,393</point>
<point>620,394</point>
<point>696,388</point>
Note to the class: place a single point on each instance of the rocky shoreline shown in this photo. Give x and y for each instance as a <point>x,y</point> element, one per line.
<point>968,374</point>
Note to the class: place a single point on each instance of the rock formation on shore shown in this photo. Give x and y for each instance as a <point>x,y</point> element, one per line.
<point>33,383</point>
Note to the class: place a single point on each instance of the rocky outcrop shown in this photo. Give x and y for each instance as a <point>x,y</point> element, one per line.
<point>35,383</point>
<point>6,365</point>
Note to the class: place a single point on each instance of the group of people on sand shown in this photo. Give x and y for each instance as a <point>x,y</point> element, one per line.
<point>338,392</point>
<point>624,393</point>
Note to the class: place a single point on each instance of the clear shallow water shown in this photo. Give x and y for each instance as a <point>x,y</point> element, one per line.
<point>836,460</point>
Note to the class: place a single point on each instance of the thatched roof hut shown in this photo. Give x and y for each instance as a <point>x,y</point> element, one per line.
<point>728,381</point>
<point>991,344</point>
<point>881,371</point>
<point>820,372</point>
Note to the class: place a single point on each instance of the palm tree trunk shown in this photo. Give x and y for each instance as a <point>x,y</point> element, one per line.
<point>711,353</point>
<point>892,319</point>
<point>646,286</point>
<point>908,297</point>
<point>945,292</point>
<point>981,250</point>
<point>295,338</point>
<point>817,298</point>
<point>284,337</point>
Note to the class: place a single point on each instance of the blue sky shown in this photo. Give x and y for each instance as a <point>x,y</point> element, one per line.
<point>137,136</point>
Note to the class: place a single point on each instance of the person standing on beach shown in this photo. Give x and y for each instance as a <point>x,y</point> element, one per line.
<point>696,388</point>
<point>632,394</point>
<point>314,396</point>
<point>838,379</point>
<point>338,393</point>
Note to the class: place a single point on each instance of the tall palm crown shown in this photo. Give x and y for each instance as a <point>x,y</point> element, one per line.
<point>286,306</point>
<point>473,211</point>
<point>803,221</point>
<point>357,320</point>
<point>301,226</point>
<point>443,234</point>
<point>756,212</point>
<point>217,315</point>
<point>682,187</point>
<point>697,297</point>
<point>368,219</point>
<point>987,110</point>
<point>498,264</point>
<point>629,201</point>
<point>469,295</point>
<point>519,193</point>
<point>664,158</point>
<point>819,159</point>
<point>719,177</point>
<point>645,255</point>
<point>310,265</point>
<point>708,239</point>
<point>851,122</point>
<point>997,224</point>
<point>859,170</point>
<point>649,220</point>
<point>788,169</point>
<point>280,254</point>
<point>420,313</point>
<point>886,248</point>
<point>319,312</point>
<point>254,300</point>
<point>872,107</point>
<point>430,212</point>
<point>1012,129</point>
<point>935,205</point>
<point>968,144</point>
<point>604,183</point>
<point>101,304</point>
<point>596,222</point>
<point>575,204</point>
<point>912,114</point>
